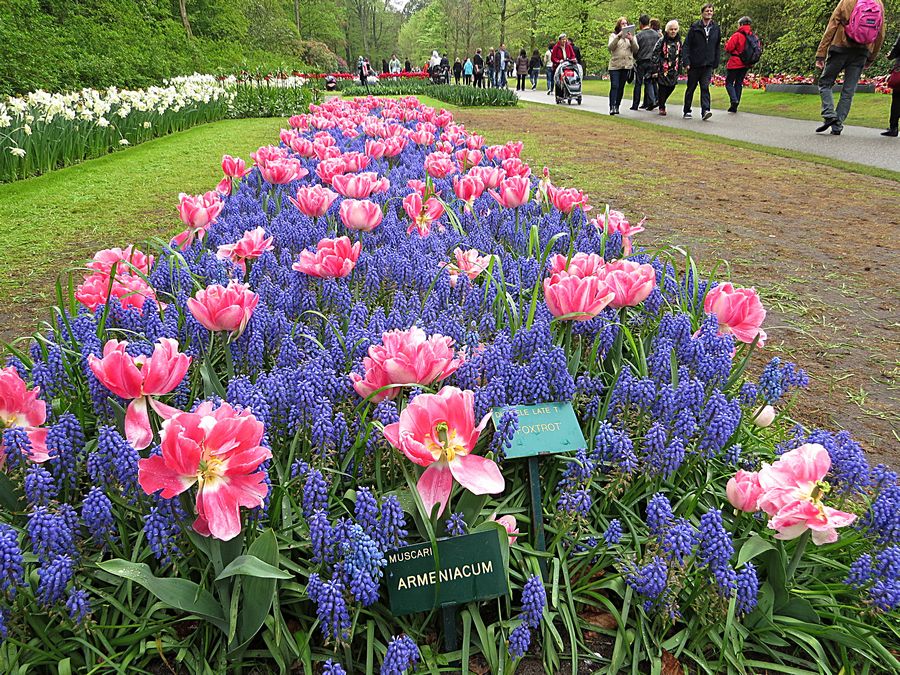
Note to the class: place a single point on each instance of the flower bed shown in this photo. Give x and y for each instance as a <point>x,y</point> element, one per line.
<point>215,448</point>
<point>447,93</point>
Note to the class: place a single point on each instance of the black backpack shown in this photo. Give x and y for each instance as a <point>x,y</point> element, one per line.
<point>752,50</point>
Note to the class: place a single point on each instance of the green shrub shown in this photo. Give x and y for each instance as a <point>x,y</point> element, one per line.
<point>448,93</point>
<point>268,99</point>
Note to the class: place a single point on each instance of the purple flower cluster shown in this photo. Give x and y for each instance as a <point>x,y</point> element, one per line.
<point>401,655</point>
<point>534,599</point>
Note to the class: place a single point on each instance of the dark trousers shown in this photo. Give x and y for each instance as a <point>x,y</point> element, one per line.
<point>550,78</point>
<point>617,79</point>
<point>642,79</point>
<point>698,75</point>
<point>520,81</point>
<point>851,62</point>
<point>895,108</point>
<point>734,83</point>
<point>456,77</point>
<point>535,72</point>
<point>479,81</point>
<point>663,93</point>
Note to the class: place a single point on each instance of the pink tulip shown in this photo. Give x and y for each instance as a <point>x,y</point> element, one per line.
<point>198,213</point>
<point>405,357</point>
<point>360,215</point>
<point>516,167</point>
<point>355,161</point>
<point>329,168</point>
<point>422,137</point>
<point>130,290</point>
<point>575,298</point>
<point>567,200</point>
<point>469,263</point>
<point>220,451</point>
<point>438,431</point>
<point>303,147</point>
<point>360,186</point>
<point>21,407</point>
<point>138,378</point>
<point>375,149</point>
<point>324,138</point>
<point>617,223</point>
<point>333,258</point>
<point>739,311</point>
<point>322,151</point>
<point>313,201</point>
<point>394,146</point>
<point>468,189</point>
<point>249,247</point>
<point>475,142</point>
<point>631,282</point>
<point>581,265</point>
<point>512,192</point>
<point>792,491</point>
<point>439,165</point>
<point>224,186</point>
<point>509,524</point>
<point>495,152</point>
<point>444,147</point>
<point>491,176</point>
<point>234,167</point>
<point>128,260</point>
<point>296,121</point>
<point>282,171</point>
<point>419,186</point>
<point>224,308</point>
<point>468,158</point>
<point>743,491</point>
<point>514,148</point>
<point>268,153</point>
<point>421,214</point>
<point>764,416</point>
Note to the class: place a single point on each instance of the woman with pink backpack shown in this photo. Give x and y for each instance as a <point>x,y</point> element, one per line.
<point>851,42</point>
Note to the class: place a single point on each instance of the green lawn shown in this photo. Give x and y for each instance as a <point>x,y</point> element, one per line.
<point>49,223</point>
<point>869,110</point>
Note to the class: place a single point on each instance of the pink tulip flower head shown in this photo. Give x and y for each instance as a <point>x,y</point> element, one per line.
<point>393,146</point>
<point>224,308</point>
<point>469,263</point>
<point>616,222</point>
<point>282,171</point>
<point>223,187</point>
<point>360,215</point>
<point>631,282</point>
<point>421,214</point>
<point>764,416</point>
<point>512,192</point>
<point>198,213</point>
<point>329,168</point>
<point>516,167</point>
<point>375,149</point>
<point>234,167</point>
<point>439,165</point>
<point>405,357</point>
<point>567,200</point>
<point>739,311</point>
<point>130,290</point>
<point>128,260</point>
<point>332,258</point>
<point>422,137</point>
<point>581,265</point>
<point>438,431</point>
<point>355,161</point>
<point>21,407</point>
<point>219,451</point>
<point>303,147</point>
<point>574,298</point>
<point>468,189</point>
<point>138,378</point>
<point>468,158</point>
<point>360,186</point>
<point>509,524</point>
<point>313,201</point>
<point>743,491</point>
<point>491,176</point>
<point>249,247</point>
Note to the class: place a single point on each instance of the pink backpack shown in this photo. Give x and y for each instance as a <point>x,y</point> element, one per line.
<point>865,22</point>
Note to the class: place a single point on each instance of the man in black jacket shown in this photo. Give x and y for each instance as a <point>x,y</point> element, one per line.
<point>701,56</point>
<point>646,39</point>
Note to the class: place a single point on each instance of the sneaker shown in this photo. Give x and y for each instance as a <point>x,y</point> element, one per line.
<point>836,132</point>
<point>662,111</point>
<point>706,115</point>
<point>732,108</point>
<point>688,116</point>
<point>634,107</point>
<point>827,124</point>
<point>892,133</point>
<point>549,91</point>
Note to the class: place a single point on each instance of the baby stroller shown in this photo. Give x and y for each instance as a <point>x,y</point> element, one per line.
<point>567,82</point>
<point>439,74</point>
<point>330,83</point>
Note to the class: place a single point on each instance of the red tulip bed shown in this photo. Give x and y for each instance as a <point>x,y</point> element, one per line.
<point>223,453</point>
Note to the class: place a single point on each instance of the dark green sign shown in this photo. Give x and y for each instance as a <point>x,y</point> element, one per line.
<point>543,429</point>
<point>466,568</point>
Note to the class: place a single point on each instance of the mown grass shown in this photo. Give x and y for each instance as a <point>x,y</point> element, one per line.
<point>869,110</point>
<point>54,221</point>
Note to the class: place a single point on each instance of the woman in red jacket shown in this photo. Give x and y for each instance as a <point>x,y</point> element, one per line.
<point>737,67</point>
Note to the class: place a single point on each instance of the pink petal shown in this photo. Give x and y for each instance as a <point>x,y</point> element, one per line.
<point>137,424</point>
<point>155,475</point>
<point>435,485</point>
<point>477,474</point>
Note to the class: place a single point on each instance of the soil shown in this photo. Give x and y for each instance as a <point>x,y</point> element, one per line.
<point>818,243</point>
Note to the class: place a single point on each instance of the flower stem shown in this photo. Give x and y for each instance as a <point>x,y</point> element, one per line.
<point>798,554</point>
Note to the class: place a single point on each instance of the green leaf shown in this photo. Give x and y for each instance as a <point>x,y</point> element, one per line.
<point>258,591</point>
<point>251,566</point>
<point>754,546</point>
<point>177,593</point>
<point>799,608</point>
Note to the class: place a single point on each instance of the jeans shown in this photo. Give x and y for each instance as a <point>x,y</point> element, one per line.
<point>852,62</point>
<point>535,73</point>
<point>520,81</point>
<point>549,78</point>
<point>617,79</point>
<point>698,75</point>
<point>501,79</point>
<point>895,108</point>
<point>734,84</point>
<point>491,78</point>
<point>664,92</point>
<point>642,72</point>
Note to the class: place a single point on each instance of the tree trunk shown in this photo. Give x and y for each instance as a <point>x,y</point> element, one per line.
<point>297,15</point>
<point>184,18</point>
<point>502,22</point>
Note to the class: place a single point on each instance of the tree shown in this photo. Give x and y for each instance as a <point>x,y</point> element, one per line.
<point>182,9</point>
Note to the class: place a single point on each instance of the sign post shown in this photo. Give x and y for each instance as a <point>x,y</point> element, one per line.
<point>544,429</point>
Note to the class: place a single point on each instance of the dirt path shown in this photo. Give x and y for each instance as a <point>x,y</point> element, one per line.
<point>819,244</point>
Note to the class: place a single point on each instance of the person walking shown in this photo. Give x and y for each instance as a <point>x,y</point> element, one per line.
<point>623,47</point>
<point>467,72</point>
<point>407,66</point>
<point>457,70</point>
<point>562,51</point>
<point>521,70</point>
<point>892,130</point>
<point>384,66</point>
<point>504,62</point>
<point>478,70</point>
<point>851,43</point>
<point>394,65</point>
<point>548,67</point>
<point>491,68</point>
<point>701,56</point>
<point>744,44</point>
<point>654,25</point>
<point>646,39</point>
<point>667,56</point>
<point>534,68</point>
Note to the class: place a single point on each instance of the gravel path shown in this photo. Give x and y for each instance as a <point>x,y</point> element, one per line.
<point>861,145</point>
